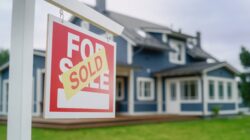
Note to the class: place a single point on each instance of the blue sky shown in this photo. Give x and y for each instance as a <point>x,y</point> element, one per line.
<point>224,24</point>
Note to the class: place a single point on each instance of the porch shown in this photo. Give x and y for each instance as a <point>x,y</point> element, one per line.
<point>196,89</point>
<point>39,122</point>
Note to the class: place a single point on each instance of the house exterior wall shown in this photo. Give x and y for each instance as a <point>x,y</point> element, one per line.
<point>122,105</point>
<point>122,51</point>
<point>221,72</point>
<point>226,105</point>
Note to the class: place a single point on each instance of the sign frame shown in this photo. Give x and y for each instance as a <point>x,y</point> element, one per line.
<point>47,112</point>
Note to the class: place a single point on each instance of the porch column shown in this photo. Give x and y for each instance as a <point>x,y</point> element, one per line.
<point>131,92</point>
<point>204,94</point>
<point>159,95</point>
<point>235,96</point>
<point>21,69</point>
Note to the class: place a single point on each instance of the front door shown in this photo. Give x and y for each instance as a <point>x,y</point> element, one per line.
<point>172,98</point>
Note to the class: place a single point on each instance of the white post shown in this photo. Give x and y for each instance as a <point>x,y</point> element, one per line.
<point>20,76</point>
<point>131,93</point>
<point>159,95</point>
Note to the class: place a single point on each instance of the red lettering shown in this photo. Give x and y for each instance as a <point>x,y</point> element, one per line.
<point>74,79</point>
<point>83,79</point>
<point>98,67</point>
<point>90,70</point>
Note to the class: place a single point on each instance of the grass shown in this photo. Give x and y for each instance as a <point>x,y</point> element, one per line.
<point>237,128</point>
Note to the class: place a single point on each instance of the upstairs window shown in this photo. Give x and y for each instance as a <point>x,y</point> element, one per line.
<point>178,56</point>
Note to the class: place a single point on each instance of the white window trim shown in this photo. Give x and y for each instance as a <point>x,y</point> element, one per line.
<point>226,99</point>
<point>183,52</point>
<point>197,90</point>
<point>122,89</point>
<point>164,38</point>
<point>85,25</point>
<point>179,80</point>
<point>143,98</point>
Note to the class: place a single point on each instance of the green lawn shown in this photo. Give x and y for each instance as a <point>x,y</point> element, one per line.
<point>237,128</point>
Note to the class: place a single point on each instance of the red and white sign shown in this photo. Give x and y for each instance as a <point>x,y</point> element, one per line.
<point>80,73</point>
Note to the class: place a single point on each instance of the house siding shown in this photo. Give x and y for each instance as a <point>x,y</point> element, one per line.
<point>223,106</point>
<point>191,107</point>
<point>39,63</point>
<point>122,51</point>
<point>221,72</point>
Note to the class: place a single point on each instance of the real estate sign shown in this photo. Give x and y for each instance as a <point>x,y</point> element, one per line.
<point>80,72</point>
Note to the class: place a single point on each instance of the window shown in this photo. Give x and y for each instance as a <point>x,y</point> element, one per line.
<point>164,38</point>
<point>145,89</point>
<point>221,90</point>
<point>119,89</point>
<point>178,56</point>
<point>189,90</point>
<point>173,91</point>
<point>229,90</point>
<point>211,89</point>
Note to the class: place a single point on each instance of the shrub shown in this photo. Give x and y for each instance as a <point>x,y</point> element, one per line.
<point>216,111</point>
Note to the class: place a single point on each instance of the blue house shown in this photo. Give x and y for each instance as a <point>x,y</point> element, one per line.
<point>159,71</point>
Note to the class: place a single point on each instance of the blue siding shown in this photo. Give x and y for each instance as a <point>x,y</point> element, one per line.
<point>223,106</point>
<point>190,59</point>
<point>191,107</point>
<point>121,51</point>
<point>92,28</point>
<point>158,36</point>
<point>242,105</point>
<point>96,30</point>
<point>145,107</point>
<point>122,106</point>
<point>39,63</point>
<point>153,60</point>
<point>221,72</point>
<point>163,95</point>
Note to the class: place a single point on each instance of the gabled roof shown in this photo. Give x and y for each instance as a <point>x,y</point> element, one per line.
<point>199,53</point>
<point>130,31</point>
<point>193,69</point>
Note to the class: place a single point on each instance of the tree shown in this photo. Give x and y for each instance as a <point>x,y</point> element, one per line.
<point>4,56</point>
<point>245,57</point>
<point>245,86</point>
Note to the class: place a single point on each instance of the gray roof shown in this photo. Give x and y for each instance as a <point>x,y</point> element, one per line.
<point>133,24</point>
<point>199,53</point>
<point>186,70</point>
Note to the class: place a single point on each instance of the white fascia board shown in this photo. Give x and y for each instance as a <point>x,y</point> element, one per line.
<point>220,66</point>
<point>81,10</point>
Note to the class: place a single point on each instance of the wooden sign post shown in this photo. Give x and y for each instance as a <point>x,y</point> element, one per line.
<point>21,58</point>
